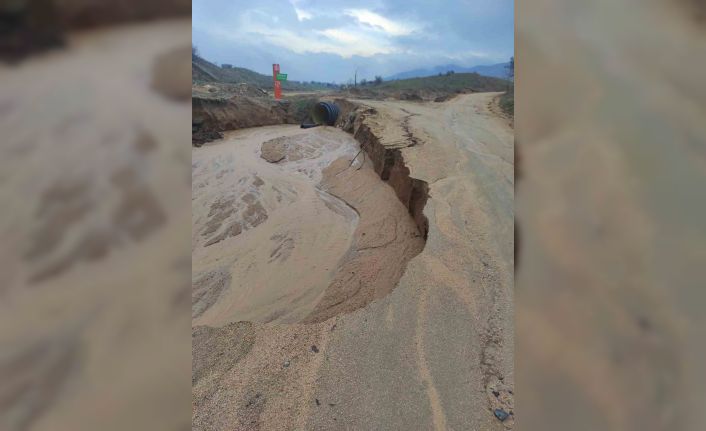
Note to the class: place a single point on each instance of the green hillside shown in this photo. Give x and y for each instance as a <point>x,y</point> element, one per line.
<point>448,83</point>
<point>205,71</point>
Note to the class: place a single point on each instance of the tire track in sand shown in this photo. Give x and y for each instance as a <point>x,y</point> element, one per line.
<point>437,410</point>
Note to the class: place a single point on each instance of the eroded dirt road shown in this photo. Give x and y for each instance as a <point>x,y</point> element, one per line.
<point>435,352</point>
<point>432,351</point>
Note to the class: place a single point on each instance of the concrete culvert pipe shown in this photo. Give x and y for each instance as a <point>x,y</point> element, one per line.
<point>325,113</point>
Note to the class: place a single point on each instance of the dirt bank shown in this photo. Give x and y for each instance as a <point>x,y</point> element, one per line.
<point>211,116</point>
<point>385,240</point>
<point>219,107</point>
<point>388,162</point>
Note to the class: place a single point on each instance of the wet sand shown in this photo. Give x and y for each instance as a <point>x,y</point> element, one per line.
<point>302,237</point>
<point>266,233</point>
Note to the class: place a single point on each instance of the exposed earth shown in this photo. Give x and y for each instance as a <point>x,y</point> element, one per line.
<point>356,281</point>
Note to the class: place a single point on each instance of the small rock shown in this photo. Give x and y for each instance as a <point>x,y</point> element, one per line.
<point>286,364</point>
<point>496,393</point>
<point>318,403</point>
<point>314,349</point>
<point>501,414</point>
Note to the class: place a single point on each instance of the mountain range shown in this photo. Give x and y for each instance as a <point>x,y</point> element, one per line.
<point>499,70</point>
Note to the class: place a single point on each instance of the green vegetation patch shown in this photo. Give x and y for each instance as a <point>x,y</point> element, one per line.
<point>507,102</point>
<point>448,83</point>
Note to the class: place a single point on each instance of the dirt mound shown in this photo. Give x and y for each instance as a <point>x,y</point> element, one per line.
<point>211,115</point>
<point>293,148</point>
<point>274,150</point>
<point>232,107</point>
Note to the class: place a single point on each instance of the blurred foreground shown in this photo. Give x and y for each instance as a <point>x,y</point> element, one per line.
<point>94,233</point>
<point>611,209</point>
<point>95,227</point>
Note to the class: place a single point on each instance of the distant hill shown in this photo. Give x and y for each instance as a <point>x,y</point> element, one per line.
<point>205,71</point>
<point>499,70</point>
<point>436,88</point>
<point>446,83</point>
<point>494,70</point>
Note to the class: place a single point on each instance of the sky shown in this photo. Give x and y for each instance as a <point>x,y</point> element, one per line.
<point>328,40</point>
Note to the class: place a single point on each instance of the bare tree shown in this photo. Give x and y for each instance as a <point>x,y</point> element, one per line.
<point>378,79</point>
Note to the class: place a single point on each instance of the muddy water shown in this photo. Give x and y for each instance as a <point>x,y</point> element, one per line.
<point>266,238</point>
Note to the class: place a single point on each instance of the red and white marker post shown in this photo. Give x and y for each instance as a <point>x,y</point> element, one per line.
<point>278,84</point>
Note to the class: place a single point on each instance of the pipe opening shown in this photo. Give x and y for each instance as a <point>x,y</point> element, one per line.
<point>325,113</point>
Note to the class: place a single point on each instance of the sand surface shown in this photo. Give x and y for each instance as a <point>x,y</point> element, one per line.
<point>430,351</point>
<point>287,229</point>
<point>265,235</point>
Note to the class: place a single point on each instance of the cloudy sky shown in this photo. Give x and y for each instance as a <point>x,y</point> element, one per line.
<point>326,40</point>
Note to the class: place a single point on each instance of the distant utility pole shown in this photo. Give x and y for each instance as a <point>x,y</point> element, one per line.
<point>355,78</point>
